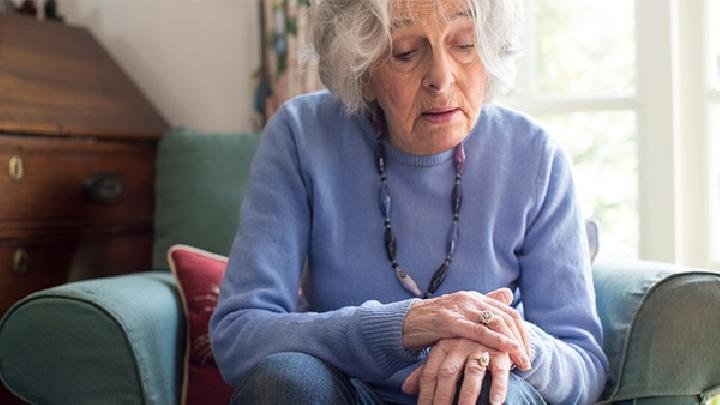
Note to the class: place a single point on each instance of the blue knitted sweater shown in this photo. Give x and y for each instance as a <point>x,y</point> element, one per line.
<point>313,198</point>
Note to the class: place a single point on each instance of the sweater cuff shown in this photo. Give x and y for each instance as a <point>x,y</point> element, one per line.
<point>536,337</point>
<point>381,326</point>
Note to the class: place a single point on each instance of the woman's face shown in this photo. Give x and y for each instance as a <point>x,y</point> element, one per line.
<point>432,85</point>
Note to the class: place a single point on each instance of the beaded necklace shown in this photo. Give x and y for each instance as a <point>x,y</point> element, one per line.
<point>391,241</point>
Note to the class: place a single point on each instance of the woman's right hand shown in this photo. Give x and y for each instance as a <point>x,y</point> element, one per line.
<point>456,316</point>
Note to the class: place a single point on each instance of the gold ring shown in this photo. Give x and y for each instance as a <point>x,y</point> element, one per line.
<point>482,359</point>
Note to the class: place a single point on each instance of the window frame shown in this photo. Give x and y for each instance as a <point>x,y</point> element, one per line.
<point>712,141</point>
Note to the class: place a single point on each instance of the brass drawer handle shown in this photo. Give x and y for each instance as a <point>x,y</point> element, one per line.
<point>20,259</point>
<point>16,169</point>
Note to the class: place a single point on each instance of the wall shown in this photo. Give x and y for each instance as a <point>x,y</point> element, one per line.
<point>193,59</point>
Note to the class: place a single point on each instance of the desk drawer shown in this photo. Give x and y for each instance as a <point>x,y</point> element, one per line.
<point>28,268</point>
<point>82,180</point>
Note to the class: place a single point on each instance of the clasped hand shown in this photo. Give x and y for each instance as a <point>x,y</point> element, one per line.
<point>450,324</point>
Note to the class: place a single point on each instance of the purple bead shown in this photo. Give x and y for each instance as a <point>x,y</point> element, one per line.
<point>453,236</point>
<point>457,198</point>
<point>460,158</point>
<point>390,244</point>
<point>451,247</point>
<point>438,277</point>
<point>385,201</point>
<point>407,282</point>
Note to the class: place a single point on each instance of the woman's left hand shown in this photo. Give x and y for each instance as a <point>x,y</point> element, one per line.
<point>436,380</point>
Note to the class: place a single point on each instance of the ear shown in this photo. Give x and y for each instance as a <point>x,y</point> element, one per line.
<point>368,89</point>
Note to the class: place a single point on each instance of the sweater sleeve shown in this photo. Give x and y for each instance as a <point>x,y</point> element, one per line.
<point>255,315</point>
<point>556,287</point>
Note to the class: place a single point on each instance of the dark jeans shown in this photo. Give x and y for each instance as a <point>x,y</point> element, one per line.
<point>298,378</point>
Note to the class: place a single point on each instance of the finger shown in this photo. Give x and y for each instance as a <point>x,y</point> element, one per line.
<point>429,375</point>
<point>448,377</point>
<point>506,325</point>
<point>503,295</point>
<point>464,328</point>
<point>411,385</point>
<point>472,383</point>
<point>494,340</point>
<point>519,326</point>
<point>501,322</point>
<point>500,369</point>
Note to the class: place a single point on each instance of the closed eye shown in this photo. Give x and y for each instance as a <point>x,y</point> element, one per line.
<point>404,56</point>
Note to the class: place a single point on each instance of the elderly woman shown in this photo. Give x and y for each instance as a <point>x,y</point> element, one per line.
<point>445,251</point>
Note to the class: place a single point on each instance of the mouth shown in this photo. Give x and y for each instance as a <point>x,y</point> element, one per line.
<point>439,115</point>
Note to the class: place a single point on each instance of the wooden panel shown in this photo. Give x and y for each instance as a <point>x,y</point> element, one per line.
<point>54,263</point>
<point>112,256</point>
<point>56,79</point>
<point>46,266</point>
<point>51,192</point>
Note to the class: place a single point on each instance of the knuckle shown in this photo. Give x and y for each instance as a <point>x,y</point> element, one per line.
<point>443,398</point>
<point>428,378</point>
<point>507,318</point>
<point>501,368</point>
<point>501,364</point>
<point>449,370</point>
<point>463,296</point>
<point>425,401</point>
<point>507,295</point>
<point>474,368</point>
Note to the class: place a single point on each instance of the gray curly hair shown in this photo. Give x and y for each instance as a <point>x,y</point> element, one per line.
<point>349,37</point>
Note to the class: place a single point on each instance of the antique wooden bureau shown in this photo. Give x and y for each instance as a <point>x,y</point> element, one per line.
<point>77,154</point>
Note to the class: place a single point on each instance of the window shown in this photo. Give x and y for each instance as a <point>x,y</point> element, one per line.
<point>577,56</point>
<point>620,84</point>
<point>578,78</point>
<point>713,31</point>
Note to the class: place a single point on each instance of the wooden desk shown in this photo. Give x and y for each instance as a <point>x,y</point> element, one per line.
<point>78,142</point>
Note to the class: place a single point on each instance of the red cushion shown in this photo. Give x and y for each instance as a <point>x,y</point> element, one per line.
<point>198,274</point>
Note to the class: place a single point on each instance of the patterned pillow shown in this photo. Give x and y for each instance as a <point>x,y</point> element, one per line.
<point>198,274</point>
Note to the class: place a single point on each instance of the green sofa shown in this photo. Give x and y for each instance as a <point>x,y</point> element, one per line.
<point>121,339</point>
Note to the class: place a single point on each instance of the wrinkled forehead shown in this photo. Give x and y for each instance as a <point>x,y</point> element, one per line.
<point>406,12</point>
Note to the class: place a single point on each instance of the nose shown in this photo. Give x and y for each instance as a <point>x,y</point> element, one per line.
<point>439,76</point>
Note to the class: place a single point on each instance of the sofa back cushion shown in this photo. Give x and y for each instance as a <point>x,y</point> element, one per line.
<point>200,182</point>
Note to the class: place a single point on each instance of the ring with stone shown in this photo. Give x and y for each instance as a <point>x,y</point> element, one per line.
<point>482,359</point>
<point>486,318</point>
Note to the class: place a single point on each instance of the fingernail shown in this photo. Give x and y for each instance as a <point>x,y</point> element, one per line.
<point>497,399</point>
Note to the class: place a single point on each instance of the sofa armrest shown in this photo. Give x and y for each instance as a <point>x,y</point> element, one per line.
<point>112,340</point>
<point>661,330</point>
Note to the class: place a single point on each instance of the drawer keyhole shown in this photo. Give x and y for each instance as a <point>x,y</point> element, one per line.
<point>20,261</point>
<point>17,171</point>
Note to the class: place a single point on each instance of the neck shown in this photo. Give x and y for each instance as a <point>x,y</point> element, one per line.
<point>420,148</point>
